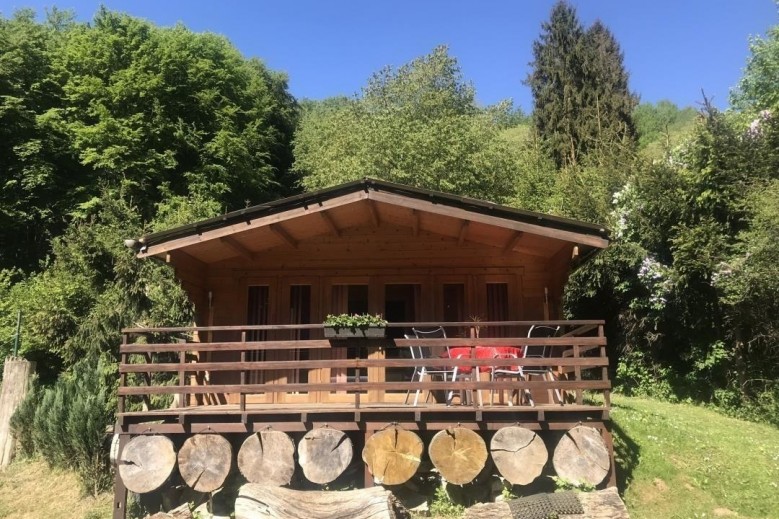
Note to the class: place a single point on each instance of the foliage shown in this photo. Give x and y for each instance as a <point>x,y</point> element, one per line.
<point>70,421</point>
<point>757,89</point>
<point>562,485</point>
<point>662,126</point>
<point>156,113</point>
<point>354,321</point>
<point>24,416</point>
<point>580,88</point>
<point>418,125</point>
<point>443,506</point>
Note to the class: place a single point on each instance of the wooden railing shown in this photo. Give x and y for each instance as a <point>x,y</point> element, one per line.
<point>170,361</point>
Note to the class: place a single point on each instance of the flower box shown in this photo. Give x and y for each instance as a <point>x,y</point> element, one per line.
<point>369,332</point>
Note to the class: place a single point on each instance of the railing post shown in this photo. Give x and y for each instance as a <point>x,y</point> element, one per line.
<point>122,376</point>
<point>182,378</point>
<point>242,397</point>
<point>605,370</point>
<point>578,375</point>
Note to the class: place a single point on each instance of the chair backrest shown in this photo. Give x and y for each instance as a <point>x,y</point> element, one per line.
<point>540,330</point>
<point>416,351</point>
<point>433,333</point>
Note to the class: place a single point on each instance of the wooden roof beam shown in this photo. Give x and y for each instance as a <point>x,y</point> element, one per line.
<point>238,248</point>
<point>513,241</point>
<point>330,223</point>
<point>282,233</point>
<point>374,214</point>
<point>415,221</point>
<point>463,232</point>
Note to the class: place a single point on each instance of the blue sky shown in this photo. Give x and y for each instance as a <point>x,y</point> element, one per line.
<point>673,48</point>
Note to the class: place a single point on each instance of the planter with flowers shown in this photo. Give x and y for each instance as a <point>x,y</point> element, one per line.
<point>355,326</point>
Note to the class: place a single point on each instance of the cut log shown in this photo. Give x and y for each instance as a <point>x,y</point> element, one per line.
<point>267,458</point>
<point>324,454</point>
<point>581,456</point>
<point>205,461</point>
<point>602,504</point>
<point>459,454</point>
<point>146,462</point>
<point>266,502</point>
<point>393,455</point>
<point>519,454</point>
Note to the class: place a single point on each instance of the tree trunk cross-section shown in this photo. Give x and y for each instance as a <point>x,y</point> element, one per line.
<point>146,462</point>
<point>519,454</point>
<point>263,502</point>
<point>324,454</point>
<point>205,461</point>
<point>393,455</point>
<point>267,458</point>
<point>581,456</point>
<point>602,504</point>
<point>459,454</point>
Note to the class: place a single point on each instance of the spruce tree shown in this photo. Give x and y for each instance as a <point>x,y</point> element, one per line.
<point>556,83</point>
<point>606,118</point>
<point>580,88</point>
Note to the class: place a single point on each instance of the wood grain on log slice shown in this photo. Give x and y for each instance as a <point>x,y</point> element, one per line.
<point>459,454</point>
<point>267,458</point>
<point>146,462</point>
<point>324,454</point>
<point>393,455</point>
<point>581,456</point>
<point>266,502</point>
<point>602,504</point>
<point>205,461</point>
<point>519,454</point>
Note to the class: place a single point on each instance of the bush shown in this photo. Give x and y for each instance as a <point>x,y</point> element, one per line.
<point>66,424</point>
<point>22,419</point>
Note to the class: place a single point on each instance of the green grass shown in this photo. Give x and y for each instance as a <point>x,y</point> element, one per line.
<point>681,461</point>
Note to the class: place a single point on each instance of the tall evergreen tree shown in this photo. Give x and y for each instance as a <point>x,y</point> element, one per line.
<point>606,117</point>
<point>556,83</point>
<point>580,88</point>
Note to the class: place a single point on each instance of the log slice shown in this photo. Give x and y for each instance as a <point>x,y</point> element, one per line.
<point>146,462</point>
<point>519,454</point>
<point>459,454</point>
<point>205,461</point>
<point>393,455</point>
<point>581,456</point>
<point>324,454</point>
<point>267,458</point>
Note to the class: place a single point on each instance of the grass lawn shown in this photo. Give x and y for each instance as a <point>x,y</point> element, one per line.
<point>676,461</point>
<point>30,490</point>
<point>681,461</point>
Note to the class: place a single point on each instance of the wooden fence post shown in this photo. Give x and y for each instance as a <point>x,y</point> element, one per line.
<point>16,380</point>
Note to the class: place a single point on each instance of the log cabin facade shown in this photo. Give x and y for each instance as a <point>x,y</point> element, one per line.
<point>263,279</point>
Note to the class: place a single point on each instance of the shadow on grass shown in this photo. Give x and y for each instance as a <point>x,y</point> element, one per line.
<point>627,454</point>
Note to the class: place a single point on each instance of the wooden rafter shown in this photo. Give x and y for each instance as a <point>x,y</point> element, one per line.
<point>513,241</point>
<point>415,221</point>
<point>374,214</point>
<point>463,232</point>
<point>330,223</point>
<point>237,247</point>
<point>282,233</point>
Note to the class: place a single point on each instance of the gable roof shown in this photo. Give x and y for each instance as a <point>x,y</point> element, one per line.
<point>381,191</point>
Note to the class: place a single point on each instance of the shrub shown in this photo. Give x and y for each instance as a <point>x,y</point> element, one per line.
<point>22,419</point>
<point>68,424</point>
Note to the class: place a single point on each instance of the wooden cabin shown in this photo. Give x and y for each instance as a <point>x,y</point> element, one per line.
<point>264,278</point>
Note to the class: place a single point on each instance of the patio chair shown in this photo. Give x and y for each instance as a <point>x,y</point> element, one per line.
<point>425,352</point>
<point>542,352</point>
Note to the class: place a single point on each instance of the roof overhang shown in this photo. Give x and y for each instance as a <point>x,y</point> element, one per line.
<point>272,216</point>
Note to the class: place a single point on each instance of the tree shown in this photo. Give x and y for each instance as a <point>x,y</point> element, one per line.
<point>556,82</point>
<point>580,88</point>
<point>757,88</point>
<point>418,125</point>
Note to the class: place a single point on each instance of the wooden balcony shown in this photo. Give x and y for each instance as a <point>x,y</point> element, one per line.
<point>237,384</point>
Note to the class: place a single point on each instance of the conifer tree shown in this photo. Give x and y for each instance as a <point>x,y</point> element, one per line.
<point>580,88</point>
